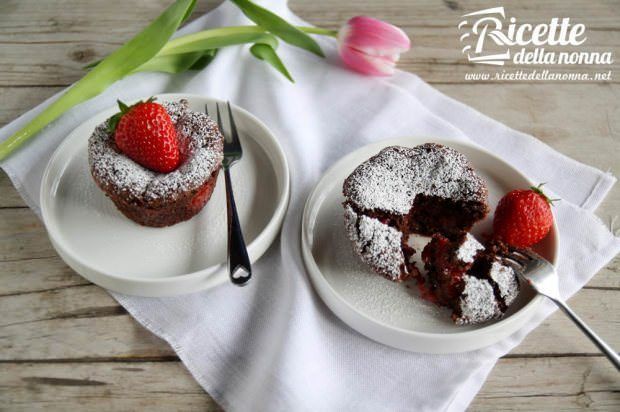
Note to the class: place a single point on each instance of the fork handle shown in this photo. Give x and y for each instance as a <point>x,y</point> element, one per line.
<point>239,267</point>
<point>611,354</point>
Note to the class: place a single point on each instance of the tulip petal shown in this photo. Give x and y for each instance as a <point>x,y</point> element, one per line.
<point>367,64</point>
<point>374,36</point>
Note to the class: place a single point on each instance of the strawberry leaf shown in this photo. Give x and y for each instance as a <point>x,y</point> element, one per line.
<point>539,191</point>
<point>124,108</point>
<point>113,122</point>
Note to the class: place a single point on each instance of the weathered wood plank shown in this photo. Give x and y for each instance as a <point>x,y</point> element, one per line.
<point>440,13</point>
<point>22,236</point>
<point>73,323</point>
<point>30,18</point>
<point>36,275</point>
<point>108,337</point>
<point>558,335</point>
<point>162,386</point>
<point>43,45</point>
<point>8,195</point>
<point>542,384</point>
<point>84,322</point>
<point>27,21</point>
<point>559,384</point>
<point>57,38</point>
<point>89,301</point>
<point>15,101</point>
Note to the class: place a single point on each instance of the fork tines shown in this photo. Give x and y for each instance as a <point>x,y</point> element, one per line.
<point>218,119</point>
<point>518,258</point>
<point>232,145</point>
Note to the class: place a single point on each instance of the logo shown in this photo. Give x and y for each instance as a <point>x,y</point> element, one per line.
<point>489,37</point>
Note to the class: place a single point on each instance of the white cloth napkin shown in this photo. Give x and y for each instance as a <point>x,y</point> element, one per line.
<point>274,345</point>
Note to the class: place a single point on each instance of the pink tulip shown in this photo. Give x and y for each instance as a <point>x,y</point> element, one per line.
<point>371,46</point>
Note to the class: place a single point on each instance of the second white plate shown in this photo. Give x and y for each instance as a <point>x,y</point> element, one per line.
<point>389,312</point>
<point>107,248</point>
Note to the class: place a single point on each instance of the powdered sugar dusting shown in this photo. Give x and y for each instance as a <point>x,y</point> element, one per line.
<point>378,244</point>
<point>468,249</point>
<point>506,280</point>
<point>477,302</point>
<point>116,172</point>
<point>391,180</point>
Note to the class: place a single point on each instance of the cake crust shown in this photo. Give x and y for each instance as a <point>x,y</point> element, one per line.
<point>391,180</point>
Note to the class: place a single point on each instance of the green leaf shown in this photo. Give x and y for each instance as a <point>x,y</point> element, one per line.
<point>200,42</point>
<point>267,53</point>
<point>204,61</point>
<point>214,39</point>
<point>178,63</point>
<point>120,63</point>
<point>91,65</point>
<point>278,26</point>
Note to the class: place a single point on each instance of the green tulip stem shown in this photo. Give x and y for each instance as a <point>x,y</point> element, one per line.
<point>123,62</point>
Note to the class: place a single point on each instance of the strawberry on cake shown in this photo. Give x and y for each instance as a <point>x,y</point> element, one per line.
<point>158,163</point>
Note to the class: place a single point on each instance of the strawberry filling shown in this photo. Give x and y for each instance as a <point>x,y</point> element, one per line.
<point>444,283</point>
<point>202,196</point>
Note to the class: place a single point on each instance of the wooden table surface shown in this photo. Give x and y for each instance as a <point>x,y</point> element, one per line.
<point>66,344</point>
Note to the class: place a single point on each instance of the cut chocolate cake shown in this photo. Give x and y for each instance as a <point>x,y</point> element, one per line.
<point>380,245</point>
<point>426,189</point>
<point>469,278</point>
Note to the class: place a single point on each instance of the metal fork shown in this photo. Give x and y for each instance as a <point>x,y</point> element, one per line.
<point>239,266</point>
<point>541,275</point>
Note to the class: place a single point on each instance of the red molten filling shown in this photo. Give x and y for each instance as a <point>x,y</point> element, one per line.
<point>445,273</point>
<point>200,198</point>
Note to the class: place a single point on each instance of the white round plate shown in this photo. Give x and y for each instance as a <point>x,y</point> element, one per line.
<point>107,248</point>
<point>393,313</point>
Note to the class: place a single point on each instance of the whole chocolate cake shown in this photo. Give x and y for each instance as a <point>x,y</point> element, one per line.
<point>160,199</point>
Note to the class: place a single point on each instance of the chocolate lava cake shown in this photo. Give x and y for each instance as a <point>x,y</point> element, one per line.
<point>426,189</point>
<point>161,199</point>
<point>469,278</point>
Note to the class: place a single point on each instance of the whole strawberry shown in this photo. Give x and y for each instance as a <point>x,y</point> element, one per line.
<point>146,134</point>
<point>523,217</point>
